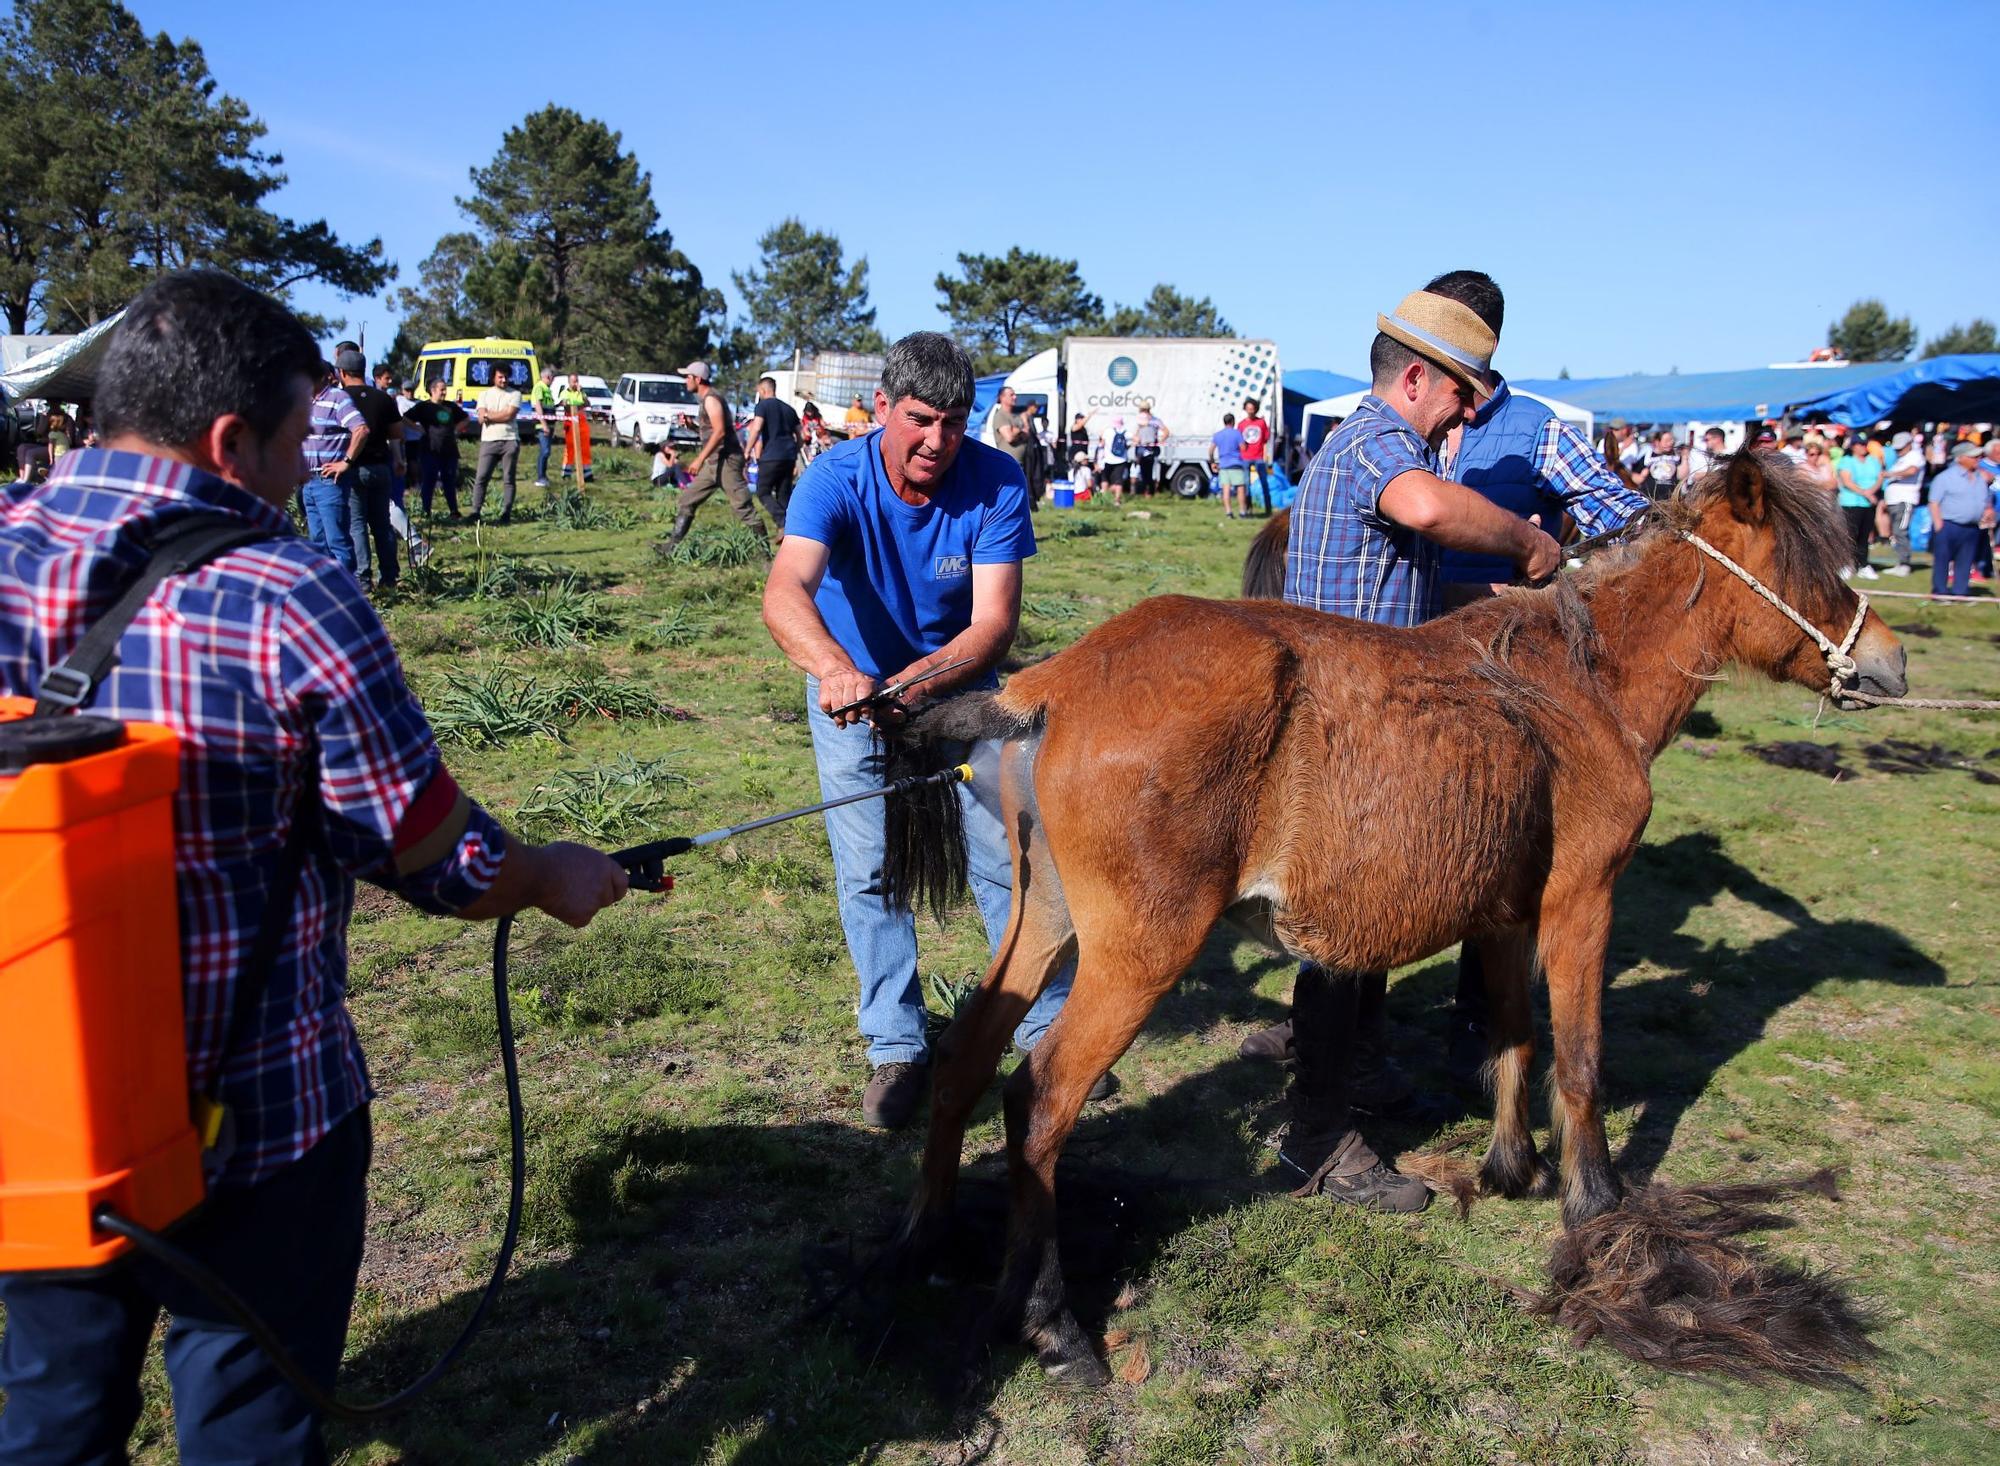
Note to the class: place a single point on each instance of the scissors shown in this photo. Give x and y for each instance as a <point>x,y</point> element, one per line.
<point>897,689</point>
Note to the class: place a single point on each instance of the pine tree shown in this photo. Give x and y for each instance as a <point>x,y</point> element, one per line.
<point>1005,307</point>
<point>1167,313</point>
<point>803,297</point>
<point>1868,333</point>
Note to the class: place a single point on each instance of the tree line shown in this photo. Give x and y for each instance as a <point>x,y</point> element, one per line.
<point>1867,332</point>
<point>120,159</point>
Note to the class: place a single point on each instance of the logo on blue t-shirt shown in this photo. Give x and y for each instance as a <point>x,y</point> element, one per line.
<point>1123,371</point>
<point>951,567</point>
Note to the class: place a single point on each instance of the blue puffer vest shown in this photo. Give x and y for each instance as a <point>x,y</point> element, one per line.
<point>1496,456</point>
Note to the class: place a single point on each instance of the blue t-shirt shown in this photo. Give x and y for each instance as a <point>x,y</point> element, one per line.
<point>1228,448</point>
<point>898,583</point>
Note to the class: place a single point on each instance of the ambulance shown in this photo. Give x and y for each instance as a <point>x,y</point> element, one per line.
<point>469,367</point>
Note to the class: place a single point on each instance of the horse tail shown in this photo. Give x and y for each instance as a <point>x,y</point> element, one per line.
<point>1264,566</point>
<point>923,859</point>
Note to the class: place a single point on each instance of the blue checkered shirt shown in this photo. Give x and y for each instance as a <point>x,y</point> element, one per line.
<point>276,672</point>
<point>1346,556</point>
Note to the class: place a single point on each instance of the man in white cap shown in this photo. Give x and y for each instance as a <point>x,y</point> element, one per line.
<point>1373,518</point>
<point>1902,488</point>
<point>717,464</point>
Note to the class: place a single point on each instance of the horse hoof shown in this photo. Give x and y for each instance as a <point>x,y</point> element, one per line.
<point>1084,1371</point>
<point>1066,1356</point>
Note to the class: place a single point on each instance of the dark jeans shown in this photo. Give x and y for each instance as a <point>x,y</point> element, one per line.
<point>1860,530</point>
<point>545,440</point>
<point>774,487</point>
<point>291,1245</point>
<point>1953,547</point>
<point>1329,1010</point>
<point>367,486</point>
<point>434,471</point>
<point>1148,461</point>
<point>1260,471</point>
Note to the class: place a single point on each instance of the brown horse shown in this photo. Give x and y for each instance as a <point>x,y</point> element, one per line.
<point>1363,797</point>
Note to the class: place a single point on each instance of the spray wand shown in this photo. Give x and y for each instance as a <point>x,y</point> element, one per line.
<point>646,864</point>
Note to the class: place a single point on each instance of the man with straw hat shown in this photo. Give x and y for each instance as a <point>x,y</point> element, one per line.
<point>1373,519</point>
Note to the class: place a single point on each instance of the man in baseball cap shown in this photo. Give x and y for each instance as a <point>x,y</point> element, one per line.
<point>717,464</point>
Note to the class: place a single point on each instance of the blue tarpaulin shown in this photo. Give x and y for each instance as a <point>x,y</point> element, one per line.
<point>985,392</point>
<point>1308,385</point>
<point>1709,396</point>
<point>1943,389</point>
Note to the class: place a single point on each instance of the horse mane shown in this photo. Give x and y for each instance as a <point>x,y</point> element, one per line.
<point>1809,550</point>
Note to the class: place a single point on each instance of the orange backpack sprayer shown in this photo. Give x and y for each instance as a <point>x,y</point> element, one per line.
<point>94,1104</point>
<point>101,1143</point>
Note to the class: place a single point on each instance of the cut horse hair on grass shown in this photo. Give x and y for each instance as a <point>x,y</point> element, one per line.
<point>1661,1280</point>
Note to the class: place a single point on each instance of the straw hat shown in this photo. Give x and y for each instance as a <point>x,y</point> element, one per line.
<point>1445,333</point>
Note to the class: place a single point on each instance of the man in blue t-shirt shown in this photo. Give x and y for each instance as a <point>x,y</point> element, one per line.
<point>903,551</point>
<point>1225,456</point>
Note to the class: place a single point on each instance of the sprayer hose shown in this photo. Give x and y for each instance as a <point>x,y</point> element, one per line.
<point>160,1250</point>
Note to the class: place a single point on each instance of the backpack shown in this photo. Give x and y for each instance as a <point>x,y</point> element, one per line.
<point>1118,444</point>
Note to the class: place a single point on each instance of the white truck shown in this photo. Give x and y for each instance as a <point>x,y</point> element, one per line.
<point>1188,382</point>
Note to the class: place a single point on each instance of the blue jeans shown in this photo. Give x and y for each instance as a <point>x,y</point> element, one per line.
<point>882,939</point>
<point>546,441</point>
<point>1953,547</point>
<point>367,486</point>
<point>73,1347</point>
<point>326,517</point>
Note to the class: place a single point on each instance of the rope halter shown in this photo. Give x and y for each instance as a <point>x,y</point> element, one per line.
<point>1842,672</point>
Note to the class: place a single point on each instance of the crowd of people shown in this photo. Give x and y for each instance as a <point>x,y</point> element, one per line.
<point>1878,482</point>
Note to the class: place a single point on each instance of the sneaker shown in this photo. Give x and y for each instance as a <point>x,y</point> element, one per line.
<point>895,1093</point>
<point>1340,1166</point>
<point>1847,572</point>
<point>1898,570</point>
<point>541,483</point>
<point>1868,572</point>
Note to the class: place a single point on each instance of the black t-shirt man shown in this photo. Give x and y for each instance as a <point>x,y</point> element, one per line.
<point>440,421</point>
<point>378,410</point>
<point>778,441</point>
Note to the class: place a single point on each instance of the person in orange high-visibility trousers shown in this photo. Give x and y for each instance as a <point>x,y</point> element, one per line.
<point>576,430</point>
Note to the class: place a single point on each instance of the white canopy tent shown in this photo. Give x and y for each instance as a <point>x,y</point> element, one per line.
<point>1335,408</point>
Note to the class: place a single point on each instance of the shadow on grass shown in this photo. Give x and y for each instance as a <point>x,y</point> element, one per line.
<point>1665,1039</point>
<point>692,1315</point>
<point>706,1265</point>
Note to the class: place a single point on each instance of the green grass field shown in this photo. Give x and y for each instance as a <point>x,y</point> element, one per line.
<point>1804,976</point>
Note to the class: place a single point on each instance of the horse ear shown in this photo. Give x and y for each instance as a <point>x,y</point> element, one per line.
<point>1744,488</point>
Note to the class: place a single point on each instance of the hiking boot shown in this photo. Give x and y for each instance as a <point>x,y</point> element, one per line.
<point>895,1093</point>
<point>1274,1042</point>
<point>1339,1166</point>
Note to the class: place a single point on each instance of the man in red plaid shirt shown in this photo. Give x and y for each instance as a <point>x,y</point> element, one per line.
<point>285,690</point>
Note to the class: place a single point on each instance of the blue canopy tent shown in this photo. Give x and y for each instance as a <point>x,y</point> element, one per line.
<point>1943,389</point>
<point>985,392</point>
<point>1306,386</point>
<point>1710,396</point>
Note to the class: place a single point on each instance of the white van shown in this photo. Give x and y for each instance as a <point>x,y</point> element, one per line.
<point>651,408</point>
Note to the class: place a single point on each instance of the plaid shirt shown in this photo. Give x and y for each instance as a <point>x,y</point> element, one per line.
<point>334,419</point>
<point>1347,556</point>
<point>266,661</point>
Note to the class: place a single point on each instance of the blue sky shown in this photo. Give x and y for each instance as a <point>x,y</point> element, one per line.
<point>1699,186</point>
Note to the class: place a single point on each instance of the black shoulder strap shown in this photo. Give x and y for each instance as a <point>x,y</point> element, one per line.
<point>176,549</point>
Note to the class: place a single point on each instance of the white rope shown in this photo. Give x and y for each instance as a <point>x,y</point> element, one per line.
<point>1840,665</point>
